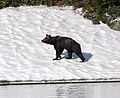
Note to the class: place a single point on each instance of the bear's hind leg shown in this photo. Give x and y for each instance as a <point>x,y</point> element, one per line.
<point>79,54</point>
<point>69,54</point>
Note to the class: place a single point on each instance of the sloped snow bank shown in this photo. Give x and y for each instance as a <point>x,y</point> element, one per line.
<point>24,57</point>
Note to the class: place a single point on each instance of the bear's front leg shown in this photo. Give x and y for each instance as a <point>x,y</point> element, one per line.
<point>57,58</point>
<point>57,55</point>
<point>58,52</point>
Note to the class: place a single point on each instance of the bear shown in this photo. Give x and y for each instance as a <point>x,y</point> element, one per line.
<point>60,43</point>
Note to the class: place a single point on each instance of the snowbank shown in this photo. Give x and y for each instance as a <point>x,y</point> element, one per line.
<point>24,57</point>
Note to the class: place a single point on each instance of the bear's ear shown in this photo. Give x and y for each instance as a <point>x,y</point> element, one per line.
<point>49,36</point>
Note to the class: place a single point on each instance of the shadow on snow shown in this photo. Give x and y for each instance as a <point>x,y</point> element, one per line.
<point>87,56</point>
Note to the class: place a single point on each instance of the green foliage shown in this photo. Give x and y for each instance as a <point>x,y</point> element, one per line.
<point>117,26</point>
<point>3,3</point>
<point>68,2</point>
<point>15,3</point>
<point>100,7</point>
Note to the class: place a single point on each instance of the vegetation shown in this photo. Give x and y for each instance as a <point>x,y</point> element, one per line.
<point>101,7</point>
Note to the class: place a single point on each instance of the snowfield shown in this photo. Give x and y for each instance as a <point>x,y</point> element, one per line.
<point>24,57</point>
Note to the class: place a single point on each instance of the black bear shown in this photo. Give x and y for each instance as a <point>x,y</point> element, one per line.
<point>60,43</point>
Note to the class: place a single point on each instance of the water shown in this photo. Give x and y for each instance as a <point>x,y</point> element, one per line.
<point>85,90</point>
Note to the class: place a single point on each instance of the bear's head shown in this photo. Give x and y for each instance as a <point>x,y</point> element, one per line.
<point>47,39</point>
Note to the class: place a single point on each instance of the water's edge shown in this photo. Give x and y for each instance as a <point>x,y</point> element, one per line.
<point>62,81</point>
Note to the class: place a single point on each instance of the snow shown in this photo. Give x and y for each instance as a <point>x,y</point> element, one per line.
<point>24,57</point>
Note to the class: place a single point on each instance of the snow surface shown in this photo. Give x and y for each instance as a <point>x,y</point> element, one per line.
<point>24,57</point>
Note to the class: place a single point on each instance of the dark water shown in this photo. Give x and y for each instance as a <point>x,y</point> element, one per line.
<point>85,90</point>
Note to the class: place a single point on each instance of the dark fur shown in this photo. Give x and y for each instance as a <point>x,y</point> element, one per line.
<point>61,43</point>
